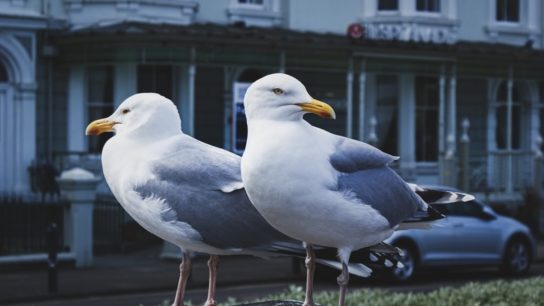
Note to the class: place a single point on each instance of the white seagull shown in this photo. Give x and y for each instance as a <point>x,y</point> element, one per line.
<point>317,187</point>
<point>187,192</point>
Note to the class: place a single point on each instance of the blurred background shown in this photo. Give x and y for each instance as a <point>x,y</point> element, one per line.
<point>453,87</point>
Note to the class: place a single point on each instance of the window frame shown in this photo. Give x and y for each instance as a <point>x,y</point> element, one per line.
<point>386,80</point>
<point>508,22</point>
<point>4,74</point>
<point>267,14</point>
<point>540,106</point>
<point>439,11</point>
<point>434,14</point>
<point>99,140</point>
<point>426,108</point>
<point>387,11</point>
<point>517,101</point>
<point>249,5</point>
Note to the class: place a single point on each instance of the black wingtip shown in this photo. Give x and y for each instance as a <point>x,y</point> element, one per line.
<point>431,214</point>
<point>434,196</point>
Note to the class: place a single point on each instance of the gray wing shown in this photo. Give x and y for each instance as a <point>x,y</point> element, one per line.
<point>365,174</point>
<point>190,182</point>
<point>192,162</point>
<point>352,156</point>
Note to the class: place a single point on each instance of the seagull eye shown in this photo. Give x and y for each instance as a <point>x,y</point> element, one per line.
<point>125,111</point>
<point>277,91</point>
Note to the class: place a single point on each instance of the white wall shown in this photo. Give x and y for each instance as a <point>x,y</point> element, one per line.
<point>478,23</point>
<point>323,15</point>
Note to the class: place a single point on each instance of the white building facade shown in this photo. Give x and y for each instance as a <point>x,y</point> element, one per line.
<point>402,75</point>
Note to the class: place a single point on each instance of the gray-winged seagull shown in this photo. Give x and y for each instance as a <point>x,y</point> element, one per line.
<point>314,186</point>
<point>190,193</point>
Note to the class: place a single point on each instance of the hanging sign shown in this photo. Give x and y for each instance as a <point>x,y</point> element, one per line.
<point>403,32</point>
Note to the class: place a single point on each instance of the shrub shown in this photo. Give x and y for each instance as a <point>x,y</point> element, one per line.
<point>527,292</point>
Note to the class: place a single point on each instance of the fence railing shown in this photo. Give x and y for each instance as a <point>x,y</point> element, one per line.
<point>510,170</point>
<point>109,220</point>
<point>24,223</point>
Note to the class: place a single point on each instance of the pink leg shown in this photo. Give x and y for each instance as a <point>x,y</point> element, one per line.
<point>310,269</point>
<point>184,271</point>
<point>343,281</point>
<point>212,266</point>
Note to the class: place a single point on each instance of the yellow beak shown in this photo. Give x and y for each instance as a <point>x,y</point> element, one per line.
<point>319,108</point>
<point>100,126</point>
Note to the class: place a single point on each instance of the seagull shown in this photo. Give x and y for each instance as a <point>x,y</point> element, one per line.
<point>317,187</point>
<point>190,193</point>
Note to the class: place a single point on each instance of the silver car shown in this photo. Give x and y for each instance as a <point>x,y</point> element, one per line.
<point>471,234</point>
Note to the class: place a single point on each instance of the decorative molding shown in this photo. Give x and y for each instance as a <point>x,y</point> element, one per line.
<point>528,26</point>
<point>20,66</point>
<point>408,24</point>
<point>84,14</point>
<point>28,42</point>
<point>268,14</point>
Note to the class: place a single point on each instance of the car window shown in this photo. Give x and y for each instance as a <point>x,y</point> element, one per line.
<point>441,208</point>
<point>468,209</point>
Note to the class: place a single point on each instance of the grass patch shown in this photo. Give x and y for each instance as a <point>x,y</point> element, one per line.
<point>527,292</point>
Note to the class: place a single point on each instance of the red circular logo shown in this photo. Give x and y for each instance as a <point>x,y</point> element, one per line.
<point>356,30</point>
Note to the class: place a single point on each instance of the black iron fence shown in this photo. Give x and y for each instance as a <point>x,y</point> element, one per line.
<point>24,223</point>
<point>109,221</point>
<point>115,231</point>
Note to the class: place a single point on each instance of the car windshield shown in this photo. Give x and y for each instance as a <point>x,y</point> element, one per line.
<point>471,208</point>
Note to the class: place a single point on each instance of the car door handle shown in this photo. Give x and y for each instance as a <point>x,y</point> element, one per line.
<point>458,225</point>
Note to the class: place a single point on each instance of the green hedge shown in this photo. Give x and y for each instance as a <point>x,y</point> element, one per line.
<point>497,293</point>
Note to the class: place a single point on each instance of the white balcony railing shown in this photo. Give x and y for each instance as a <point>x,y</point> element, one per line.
<point>510,171</point>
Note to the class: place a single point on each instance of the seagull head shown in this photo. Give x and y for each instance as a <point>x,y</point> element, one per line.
<point>280,96</point>
<point>143,115</point>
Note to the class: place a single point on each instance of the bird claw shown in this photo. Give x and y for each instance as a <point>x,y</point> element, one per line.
<point>210,303</point>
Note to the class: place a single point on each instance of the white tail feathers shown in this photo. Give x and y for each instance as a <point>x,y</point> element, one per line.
<point>354,268</point>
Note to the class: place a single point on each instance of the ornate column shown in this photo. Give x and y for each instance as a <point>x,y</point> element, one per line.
<point>349,100</point>
<point>362,100</point>
<point>407,127</point>
<point>450,169</point>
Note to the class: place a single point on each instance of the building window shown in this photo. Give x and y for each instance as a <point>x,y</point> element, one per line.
<point>156,78</point>
<point>387,113</point>
<point>507,10</point>
<point>501,113</point>
<point>426,119</point>
<point>251,2</point>
<point>431,6</point>
<point>261,13</point>
<point>388,5</point>
<point>3,73</point>
<point>99,101</point>
<point>541,92</point>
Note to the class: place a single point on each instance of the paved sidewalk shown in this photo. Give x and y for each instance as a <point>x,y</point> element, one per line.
<point>138,273</point>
